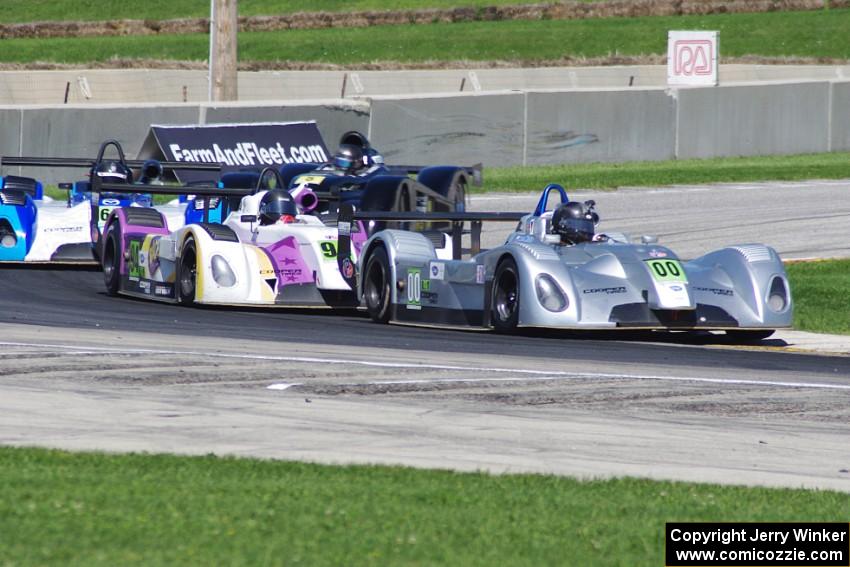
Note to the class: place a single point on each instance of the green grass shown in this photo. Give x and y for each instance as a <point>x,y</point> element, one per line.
<point>44,10</point>
<point>60,508</point>
<point>821,292</point>
<point>659,173</point>
<point>804,34</point>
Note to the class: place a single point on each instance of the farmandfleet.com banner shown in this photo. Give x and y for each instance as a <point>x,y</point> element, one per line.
<point>235,146</point>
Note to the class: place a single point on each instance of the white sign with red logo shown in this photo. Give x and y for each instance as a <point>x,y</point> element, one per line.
<point>692,57</point>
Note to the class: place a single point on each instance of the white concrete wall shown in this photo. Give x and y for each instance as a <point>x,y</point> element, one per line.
<point>494,128</point>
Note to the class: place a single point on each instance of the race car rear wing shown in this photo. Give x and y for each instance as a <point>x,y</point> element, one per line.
<point>347,215</point>
<point>205,192</point>
<point>89,163</point>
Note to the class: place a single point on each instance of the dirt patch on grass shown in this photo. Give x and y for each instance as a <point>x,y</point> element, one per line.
<point>567,10</point>
<point>396,65</point>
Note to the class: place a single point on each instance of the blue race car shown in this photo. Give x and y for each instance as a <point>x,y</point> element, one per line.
<point>35,228</point>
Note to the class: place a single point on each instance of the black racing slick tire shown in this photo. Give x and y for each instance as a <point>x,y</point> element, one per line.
<point>111,258</point>
<point>504,303</point>
<point>748,337</point>
<point>187,274</point>
<point>377,286</point>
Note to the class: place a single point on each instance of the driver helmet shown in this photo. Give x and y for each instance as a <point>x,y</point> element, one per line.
<point>573,222</point>
<point>371,156</point>
<point>277,205</point>
<point>349,158</point>
<point>111,171</point>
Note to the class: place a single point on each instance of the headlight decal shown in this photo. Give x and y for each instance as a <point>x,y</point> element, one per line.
<point>549,294</point>
<point>221,271</point>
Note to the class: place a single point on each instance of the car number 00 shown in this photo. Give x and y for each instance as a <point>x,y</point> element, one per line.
<point>668,268</point>
<point>414,282</point>
<point>667,271</point>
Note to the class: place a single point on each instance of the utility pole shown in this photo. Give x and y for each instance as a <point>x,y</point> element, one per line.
<point>224,25</point>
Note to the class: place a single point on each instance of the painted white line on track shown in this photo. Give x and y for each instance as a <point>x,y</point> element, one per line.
<point>597,376</point>
<point>528,374</point>
<point>282,386</point>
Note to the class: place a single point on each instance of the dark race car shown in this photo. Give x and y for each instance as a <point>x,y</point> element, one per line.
<point>357,175</point>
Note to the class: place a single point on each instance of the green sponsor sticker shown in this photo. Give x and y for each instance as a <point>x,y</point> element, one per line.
<point>667,270</point>
<point>134,265</point>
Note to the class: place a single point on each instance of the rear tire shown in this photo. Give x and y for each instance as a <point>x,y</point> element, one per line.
<point>111,263</point>
<point>504,303</point>
<point>187,274</point>
<point>377,290</point>
<point>749,337</point>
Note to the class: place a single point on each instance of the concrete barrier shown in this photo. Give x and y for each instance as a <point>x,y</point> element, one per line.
<point>499,128</point>
<point>840,118</point>
<point>10,127</point>
<point>602,125</point>
<point>78,131</point>
<point>787,118</point>
<point>462,129</point>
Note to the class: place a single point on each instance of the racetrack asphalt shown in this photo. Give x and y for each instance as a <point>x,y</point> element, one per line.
<point>82,370</point>
<point>805,219</point>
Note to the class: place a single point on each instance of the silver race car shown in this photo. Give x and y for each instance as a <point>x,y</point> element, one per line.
<point>556,271</point>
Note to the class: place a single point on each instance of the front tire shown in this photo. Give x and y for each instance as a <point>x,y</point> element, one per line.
<point>377,290</point>
<point>111,262</point>
<point>187,274</point>
<point>505,298</point>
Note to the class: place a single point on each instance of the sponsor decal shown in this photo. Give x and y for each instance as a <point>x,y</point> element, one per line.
<point>344,228</point>
<point>63,229</point>
<point>145,286</point>
<point>110,202</point>
<point>606,290</point>
<point>347,269</point>
<point>438,271</point>
<point>153,255</point>
<point>240,145</point>
<point>135,266</point>
<point>430,297</point>
<point>715,291</point>
<point>244,153</point>
<point>427,294</point>
<point>479,274</point>
<point>162,290</point>
<point>676,288</point>
<point>289,274</point>
<point>657,253</point>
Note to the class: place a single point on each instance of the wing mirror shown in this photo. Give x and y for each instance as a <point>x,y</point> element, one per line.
<point>649,239</point>
<point>248,218</point>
